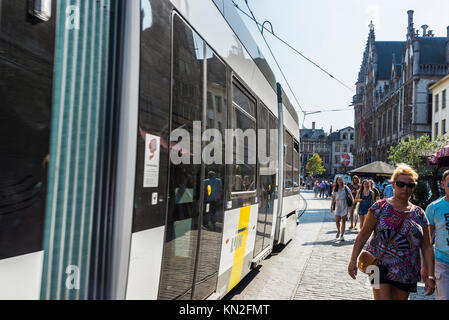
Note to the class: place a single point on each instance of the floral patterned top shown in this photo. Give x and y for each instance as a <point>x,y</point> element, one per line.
<point>397,239</point>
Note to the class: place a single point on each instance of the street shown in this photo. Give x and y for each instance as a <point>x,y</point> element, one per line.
<point>313,266</point>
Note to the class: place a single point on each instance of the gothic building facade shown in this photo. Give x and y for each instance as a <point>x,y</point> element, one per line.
<point>393,99</point>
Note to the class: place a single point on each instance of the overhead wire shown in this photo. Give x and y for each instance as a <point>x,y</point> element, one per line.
<point>288,45</point>
<point>272,54</point>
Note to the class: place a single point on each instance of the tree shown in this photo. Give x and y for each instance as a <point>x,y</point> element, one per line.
<point>314,166</point>
<point>414,152</point>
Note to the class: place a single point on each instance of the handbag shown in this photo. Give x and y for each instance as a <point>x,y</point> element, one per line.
<point>367,259</point>
<point>348,197</point>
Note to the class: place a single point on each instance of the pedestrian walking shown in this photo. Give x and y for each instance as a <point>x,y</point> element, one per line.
<point>365,198</point>
<point>340,207</point>
<point>388,191</point>
<point>401,230</point>
<point>322,187</point>
<point>376,191</point>
<point>438,214</point>
<point>354,187</point>
<point>316,188</point>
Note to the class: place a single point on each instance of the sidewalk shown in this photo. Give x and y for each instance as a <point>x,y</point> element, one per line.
<point>313,266</point>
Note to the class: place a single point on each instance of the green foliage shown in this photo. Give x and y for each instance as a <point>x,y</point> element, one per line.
<point>314,166</point>
<point>414,152</point>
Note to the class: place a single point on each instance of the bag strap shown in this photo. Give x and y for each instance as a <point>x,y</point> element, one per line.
<point>396,232</point>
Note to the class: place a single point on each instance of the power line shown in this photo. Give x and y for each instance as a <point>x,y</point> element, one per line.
<point>291,47</point>
<point>272,54</point>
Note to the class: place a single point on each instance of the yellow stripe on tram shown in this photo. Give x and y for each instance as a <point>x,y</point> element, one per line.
<point>240,243</point>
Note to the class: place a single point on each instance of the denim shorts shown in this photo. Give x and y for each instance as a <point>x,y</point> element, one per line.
<point>408,287</point>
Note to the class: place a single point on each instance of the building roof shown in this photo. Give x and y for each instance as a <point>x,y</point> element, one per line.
<point>439,83</point>
<point>433,50</point>
<point>385,51</point>
<point>312,134</point>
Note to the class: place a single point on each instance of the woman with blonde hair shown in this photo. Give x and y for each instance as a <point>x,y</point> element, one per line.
<point>401,232</point>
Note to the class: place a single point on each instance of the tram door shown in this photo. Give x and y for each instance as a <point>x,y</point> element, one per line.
<point>195,207</point>
<point>267,180</point>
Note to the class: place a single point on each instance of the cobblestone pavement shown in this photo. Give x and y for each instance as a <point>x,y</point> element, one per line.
<point>313,266</point>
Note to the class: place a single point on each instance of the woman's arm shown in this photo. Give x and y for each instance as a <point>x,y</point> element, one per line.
<point>362,238</point>
<point>357,197</point>
<point>428,261</point>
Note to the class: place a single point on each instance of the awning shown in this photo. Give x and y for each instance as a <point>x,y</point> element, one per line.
<point>377,168</point>
<point>439,158</point>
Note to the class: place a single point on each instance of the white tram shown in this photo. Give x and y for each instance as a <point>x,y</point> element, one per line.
<point>128,222</point>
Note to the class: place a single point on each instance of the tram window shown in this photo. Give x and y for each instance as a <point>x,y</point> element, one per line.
<point>295,164</point>
<point>242,173</point>
<point>288,170</point>
<point>181,235</point>
<point>274,125</point>
<point>26,72</point>
<point>242,100</point>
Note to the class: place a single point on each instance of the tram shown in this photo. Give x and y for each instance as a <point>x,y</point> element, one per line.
<point>92,205</point>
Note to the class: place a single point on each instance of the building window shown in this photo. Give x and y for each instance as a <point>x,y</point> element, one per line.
<point>344,148</point>
<point>337,147</point>
<point>443,100</point>
<point>437,102</point>
<point>337,159</point>
<point>436,130</point>
<point>443,127</point>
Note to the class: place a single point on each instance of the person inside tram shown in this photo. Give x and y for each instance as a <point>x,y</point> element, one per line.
<point>213,188</point>
<point>248,185</point>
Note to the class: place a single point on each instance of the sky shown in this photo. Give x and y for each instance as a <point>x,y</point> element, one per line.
<point>333,34</point>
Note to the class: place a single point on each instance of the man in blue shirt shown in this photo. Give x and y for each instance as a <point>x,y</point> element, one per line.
<point>438,215</point>
<point>388,191</point>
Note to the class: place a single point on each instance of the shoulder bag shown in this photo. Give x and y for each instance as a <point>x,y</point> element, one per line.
<point>348,197</point>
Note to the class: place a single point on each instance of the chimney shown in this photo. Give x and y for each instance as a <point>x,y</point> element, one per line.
<point>424,28</point>
<point>313,125</point>
<point>411,30</point>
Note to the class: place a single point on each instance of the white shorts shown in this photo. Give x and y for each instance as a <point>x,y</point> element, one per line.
<point>442,280</point>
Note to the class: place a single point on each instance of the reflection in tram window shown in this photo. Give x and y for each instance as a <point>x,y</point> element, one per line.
<point>212,214</point>
<point>26,72</point>
<point>295,164</point>
<point>185,179</point>
<point>288,170</point>
<point>243,171</point>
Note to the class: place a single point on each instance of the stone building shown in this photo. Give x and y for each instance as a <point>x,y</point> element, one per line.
<point>330,148</point>
<point>393,99</point>
<point>314,141</point>
<point>341,143</point>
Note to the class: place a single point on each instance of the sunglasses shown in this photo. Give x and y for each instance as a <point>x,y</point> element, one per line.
<point>401,184</point>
